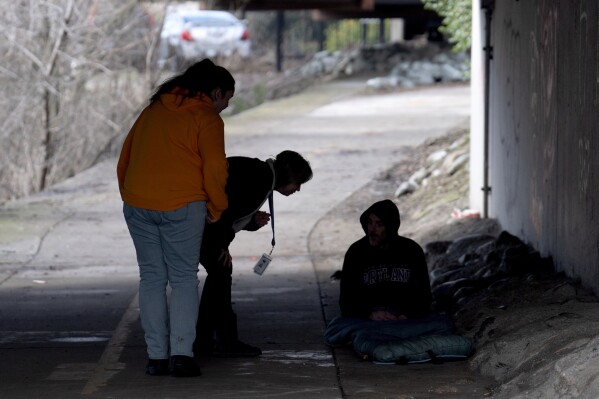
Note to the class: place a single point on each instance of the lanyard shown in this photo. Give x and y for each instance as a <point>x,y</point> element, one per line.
<point>272,220</point>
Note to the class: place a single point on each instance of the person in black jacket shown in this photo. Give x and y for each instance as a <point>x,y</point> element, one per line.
<point>384,275</point>
<point>250,183</point>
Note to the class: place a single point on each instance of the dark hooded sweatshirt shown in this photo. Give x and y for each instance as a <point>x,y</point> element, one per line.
<point>393,279</point>
<point>249,184</point>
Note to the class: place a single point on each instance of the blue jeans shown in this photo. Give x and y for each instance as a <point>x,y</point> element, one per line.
<point>167,244</point>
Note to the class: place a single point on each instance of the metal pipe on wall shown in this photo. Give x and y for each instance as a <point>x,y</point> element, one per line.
<point>488,6</point>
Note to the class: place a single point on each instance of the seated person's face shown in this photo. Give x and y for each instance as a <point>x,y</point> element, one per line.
<point>377,233</point>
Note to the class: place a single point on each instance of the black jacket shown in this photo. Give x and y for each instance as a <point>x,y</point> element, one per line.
<point>394,279</point>
<point>249,183</point>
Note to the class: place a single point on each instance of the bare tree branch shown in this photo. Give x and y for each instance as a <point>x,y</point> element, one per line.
<point>61,36</point>
<point>50,96</point>
<point>74,74</point>
<point>25,51</point>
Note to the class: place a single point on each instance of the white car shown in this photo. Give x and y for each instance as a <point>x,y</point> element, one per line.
<point>211,34</point>
<point>190,35</point>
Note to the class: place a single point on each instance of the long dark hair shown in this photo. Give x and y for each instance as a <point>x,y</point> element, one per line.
<point>200,78</point>
<point>291,167</point>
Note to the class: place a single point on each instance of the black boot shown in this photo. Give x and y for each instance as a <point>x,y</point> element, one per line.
<point>184,366</point>
<point>235,349</point>
<point>228,343</point>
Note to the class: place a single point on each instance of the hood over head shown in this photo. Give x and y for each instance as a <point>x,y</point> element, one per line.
<point>387,211</point>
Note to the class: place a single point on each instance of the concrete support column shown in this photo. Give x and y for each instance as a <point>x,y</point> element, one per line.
<point>280,33</point>
<point>397,30</point>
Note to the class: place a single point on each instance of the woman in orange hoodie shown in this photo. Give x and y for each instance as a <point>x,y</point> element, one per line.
<point>172,174</point>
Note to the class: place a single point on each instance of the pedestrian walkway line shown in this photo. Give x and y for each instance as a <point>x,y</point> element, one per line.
<point>109,364</point>
<point>10,338</point>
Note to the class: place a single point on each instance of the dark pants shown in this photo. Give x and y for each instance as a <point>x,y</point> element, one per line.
<point>216,319</point>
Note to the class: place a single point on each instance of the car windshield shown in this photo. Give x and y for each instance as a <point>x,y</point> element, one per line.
<point>207,21</point>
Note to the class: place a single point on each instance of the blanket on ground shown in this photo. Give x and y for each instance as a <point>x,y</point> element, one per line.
<point>400,342</point>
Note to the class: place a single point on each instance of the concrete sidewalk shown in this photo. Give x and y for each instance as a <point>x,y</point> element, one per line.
<point>68,277</point>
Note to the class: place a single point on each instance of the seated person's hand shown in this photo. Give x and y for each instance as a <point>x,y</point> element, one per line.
<point>385,315</point>
<point>261,218</point>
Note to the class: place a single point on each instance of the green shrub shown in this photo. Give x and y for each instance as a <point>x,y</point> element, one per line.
<point>457,21</point>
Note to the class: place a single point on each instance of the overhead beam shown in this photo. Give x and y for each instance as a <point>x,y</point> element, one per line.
<point>335,9</point>
<point>406,12</point>
<point>269,5</point>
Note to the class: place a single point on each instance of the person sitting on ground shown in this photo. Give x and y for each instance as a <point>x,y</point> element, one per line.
<point>384,275</point>
<point>250,183</point>
<point>385,298</point>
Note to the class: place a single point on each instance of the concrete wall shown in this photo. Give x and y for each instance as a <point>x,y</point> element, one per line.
<point>544,129</point>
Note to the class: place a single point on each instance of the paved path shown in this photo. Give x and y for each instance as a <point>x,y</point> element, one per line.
<point>68,309</point>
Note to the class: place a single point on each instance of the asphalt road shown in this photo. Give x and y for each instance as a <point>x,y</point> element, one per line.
<point>69,323</point>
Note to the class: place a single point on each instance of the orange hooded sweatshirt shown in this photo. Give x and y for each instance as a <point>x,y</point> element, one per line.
<point>175,154</point>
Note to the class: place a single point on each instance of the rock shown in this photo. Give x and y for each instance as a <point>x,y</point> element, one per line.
<point>424,73</point>
<point>451,73</point>
<point>418,176</point>
<point>385,82</point>
<point>458,163</point>
<point>436,156</point>
<point>405,188</point>
<point>459,143</point>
